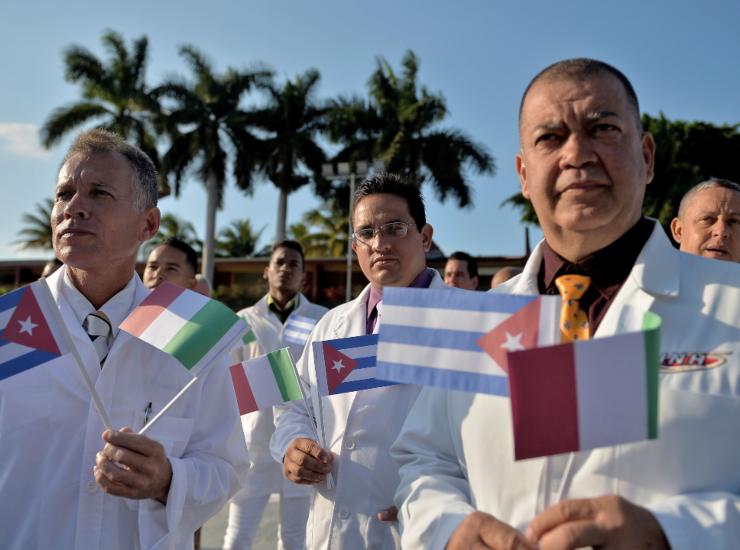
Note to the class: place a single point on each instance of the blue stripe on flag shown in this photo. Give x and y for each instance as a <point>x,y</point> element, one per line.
<point>455,299</point>
<point>365,362</point>
<point>359,385</point>
<point>23,362</point>
<point>301,319</point>
<point>354,342</point>
<point>11,299</point>
<point>442,378</point>
<point>431,337</point>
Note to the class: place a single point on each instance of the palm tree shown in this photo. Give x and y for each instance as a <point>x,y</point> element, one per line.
<point>115,96</point>
<point>173,226</point>
<point>206,127</point>
<point>37,232</point>
<point>238,239</point>
<point>329,225</point>
<point>292,120</point>
<point>399,125</point>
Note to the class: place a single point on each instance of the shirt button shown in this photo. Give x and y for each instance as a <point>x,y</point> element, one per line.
<point>344,514</point>
<point>350,444</point>
<point>91,487</point>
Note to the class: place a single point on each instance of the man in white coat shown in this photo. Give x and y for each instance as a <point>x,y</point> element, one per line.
<point>584,163</point>
<point>391,239</point>
<point>65,482</point>
<point>274,320</point>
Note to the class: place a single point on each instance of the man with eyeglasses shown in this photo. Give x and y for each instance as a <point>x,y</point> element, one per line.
<point>391,239</point>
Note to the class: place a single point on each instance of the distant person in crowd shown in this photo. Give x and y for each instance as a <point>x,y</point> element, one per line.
<point>391,237</point>
<point>173,261</point>
<point>50,267</point>
<point>584,163</point>
<point>708,221</point>
<point>270,320</point>
<point>504,274</point>
<point>461,271</point>
<point>66,481</point>
<point>202,285</point>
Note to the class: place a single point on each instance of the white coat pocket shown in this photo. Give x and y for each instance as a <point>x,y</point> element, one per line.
<point>173,433</point>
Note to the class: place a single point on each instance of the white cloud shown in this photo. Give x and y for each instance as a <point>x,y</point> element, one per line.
<point>21,140</point>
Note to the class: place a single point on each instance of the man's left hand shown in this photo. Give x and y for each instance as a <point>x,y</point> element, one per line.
<point>605,522</point>
<point>389,514</point>
<point>133,466</point>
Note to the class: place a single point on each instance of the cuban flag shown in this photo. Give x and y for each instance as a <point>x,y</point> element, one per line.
<point>347,364</point>
<point>29,333</point>
<point>459,339</point>
<point>297,329</point>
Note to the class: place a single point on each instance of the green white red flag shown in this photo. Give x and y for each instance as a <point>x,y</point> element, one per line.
<point>586,394</point>
<point>265,381</point>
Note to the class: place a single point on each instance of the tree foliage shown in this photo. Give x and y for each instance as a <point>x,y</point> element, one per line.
<point>37,233</point>
<point>323,231</point>
<point>238,239</point>
<point>399,123</point>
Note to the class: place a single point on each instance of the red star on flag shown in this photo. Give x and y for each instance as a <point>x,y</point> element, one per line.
<point>337,366</point>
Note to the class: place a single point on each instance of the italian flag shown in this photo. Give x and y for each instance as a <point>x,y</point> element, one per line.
<point>189,326</point>
<point>587,394</point>
<point>265,381</point>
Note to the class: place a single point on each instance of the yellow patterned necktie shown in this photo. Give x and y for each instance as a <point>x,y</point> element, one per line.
<point>573,320</point>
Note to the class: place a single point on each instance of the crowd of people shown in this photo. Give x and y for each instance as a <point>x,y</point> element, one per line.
<point>400,466</point>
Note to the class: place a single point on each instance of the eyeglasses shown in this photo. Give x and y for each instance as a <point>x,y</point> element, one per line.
<point>391,230</point>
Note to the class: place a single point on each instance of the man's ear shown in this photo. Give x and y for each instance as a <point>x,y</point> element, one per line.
<point>676,230</point>
<point>521,169</point>
<point>264,272</point>
<point>426,237</point>
<point>151,223</point>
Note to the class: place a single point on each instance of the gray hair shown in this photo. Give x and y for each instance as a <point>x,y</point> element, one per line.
<point>708,184</point>
<point>102,141</point>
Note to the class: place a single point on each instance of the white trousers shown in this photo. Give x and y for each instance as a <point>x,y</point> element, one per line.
<point>245,515</point>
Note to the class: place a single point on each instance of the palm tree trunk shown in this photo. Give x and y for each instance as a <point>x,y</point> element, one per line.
<point>210,241</point>
<point>281,216</point>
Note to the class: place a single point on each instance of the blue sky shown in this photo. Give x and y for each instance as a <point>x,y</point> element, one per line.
<point>682,57</point>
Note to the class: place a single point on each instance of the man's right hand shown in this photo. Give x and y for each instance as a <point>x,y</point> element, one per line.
<point>481,530</point>
<point>306,463</point>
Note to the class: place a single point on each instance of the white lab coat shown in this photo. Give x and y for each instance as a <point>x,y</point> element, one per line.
<point>359,428</point>
<point>50,434</point>
<point>456,449</point>
<point>265,476</point>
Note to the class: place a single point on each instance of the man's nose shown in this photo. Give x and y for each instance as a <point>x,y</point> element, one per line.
<point>721,228</point>
<point>577,151</point>
<point>77,207</point>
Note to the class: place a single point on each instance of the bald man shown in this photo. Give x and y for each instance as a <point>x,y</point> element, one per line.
<point>708,221</point>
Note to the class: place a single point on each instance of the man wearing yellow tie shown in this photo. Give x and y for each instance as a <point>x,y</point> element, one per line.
<point>584,163</point>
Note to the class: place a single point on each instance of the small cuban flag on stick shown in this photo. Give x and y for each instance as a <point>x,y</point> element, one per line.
<point>191,327</point>
<point>586,394</point>
<point>459,339</point>
<point>347,364</point>
<point>34,333</point>
<point>297,329</point>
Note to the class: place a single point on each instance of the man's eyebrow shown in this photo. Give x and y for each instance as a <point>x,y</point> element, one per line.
<point>548,126</point>
<point>598,115</point>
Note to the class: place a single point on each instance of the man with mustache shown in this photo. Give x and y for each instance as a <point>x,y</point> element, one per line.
<point>66,481</point>
<point>708,221</point>
<point>391,238</point>
<point>584,163</point>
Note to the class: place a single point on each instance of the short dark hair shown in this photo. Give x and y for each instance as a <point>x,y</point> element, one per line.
<point>103,141</point>
<point>580,69</point>
<point>190,255</point>
<point>394,184</point>
<point>293,245</point>
<point>471,262</point>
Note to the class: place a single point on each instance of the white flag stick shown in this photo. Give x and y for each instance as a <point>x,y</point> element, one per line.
<point>309,409</point>
<point>68,343</point>
<point>149,424</point>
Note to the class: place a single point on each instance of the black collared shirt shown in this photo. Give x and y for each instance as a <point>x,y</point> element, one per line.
<point>608,269</point>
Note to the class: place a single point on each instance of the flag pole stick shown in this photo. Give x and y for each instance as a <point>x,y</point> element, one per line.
<point>309,410</point>
<point>149,424</point>
<point>78,360</point>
